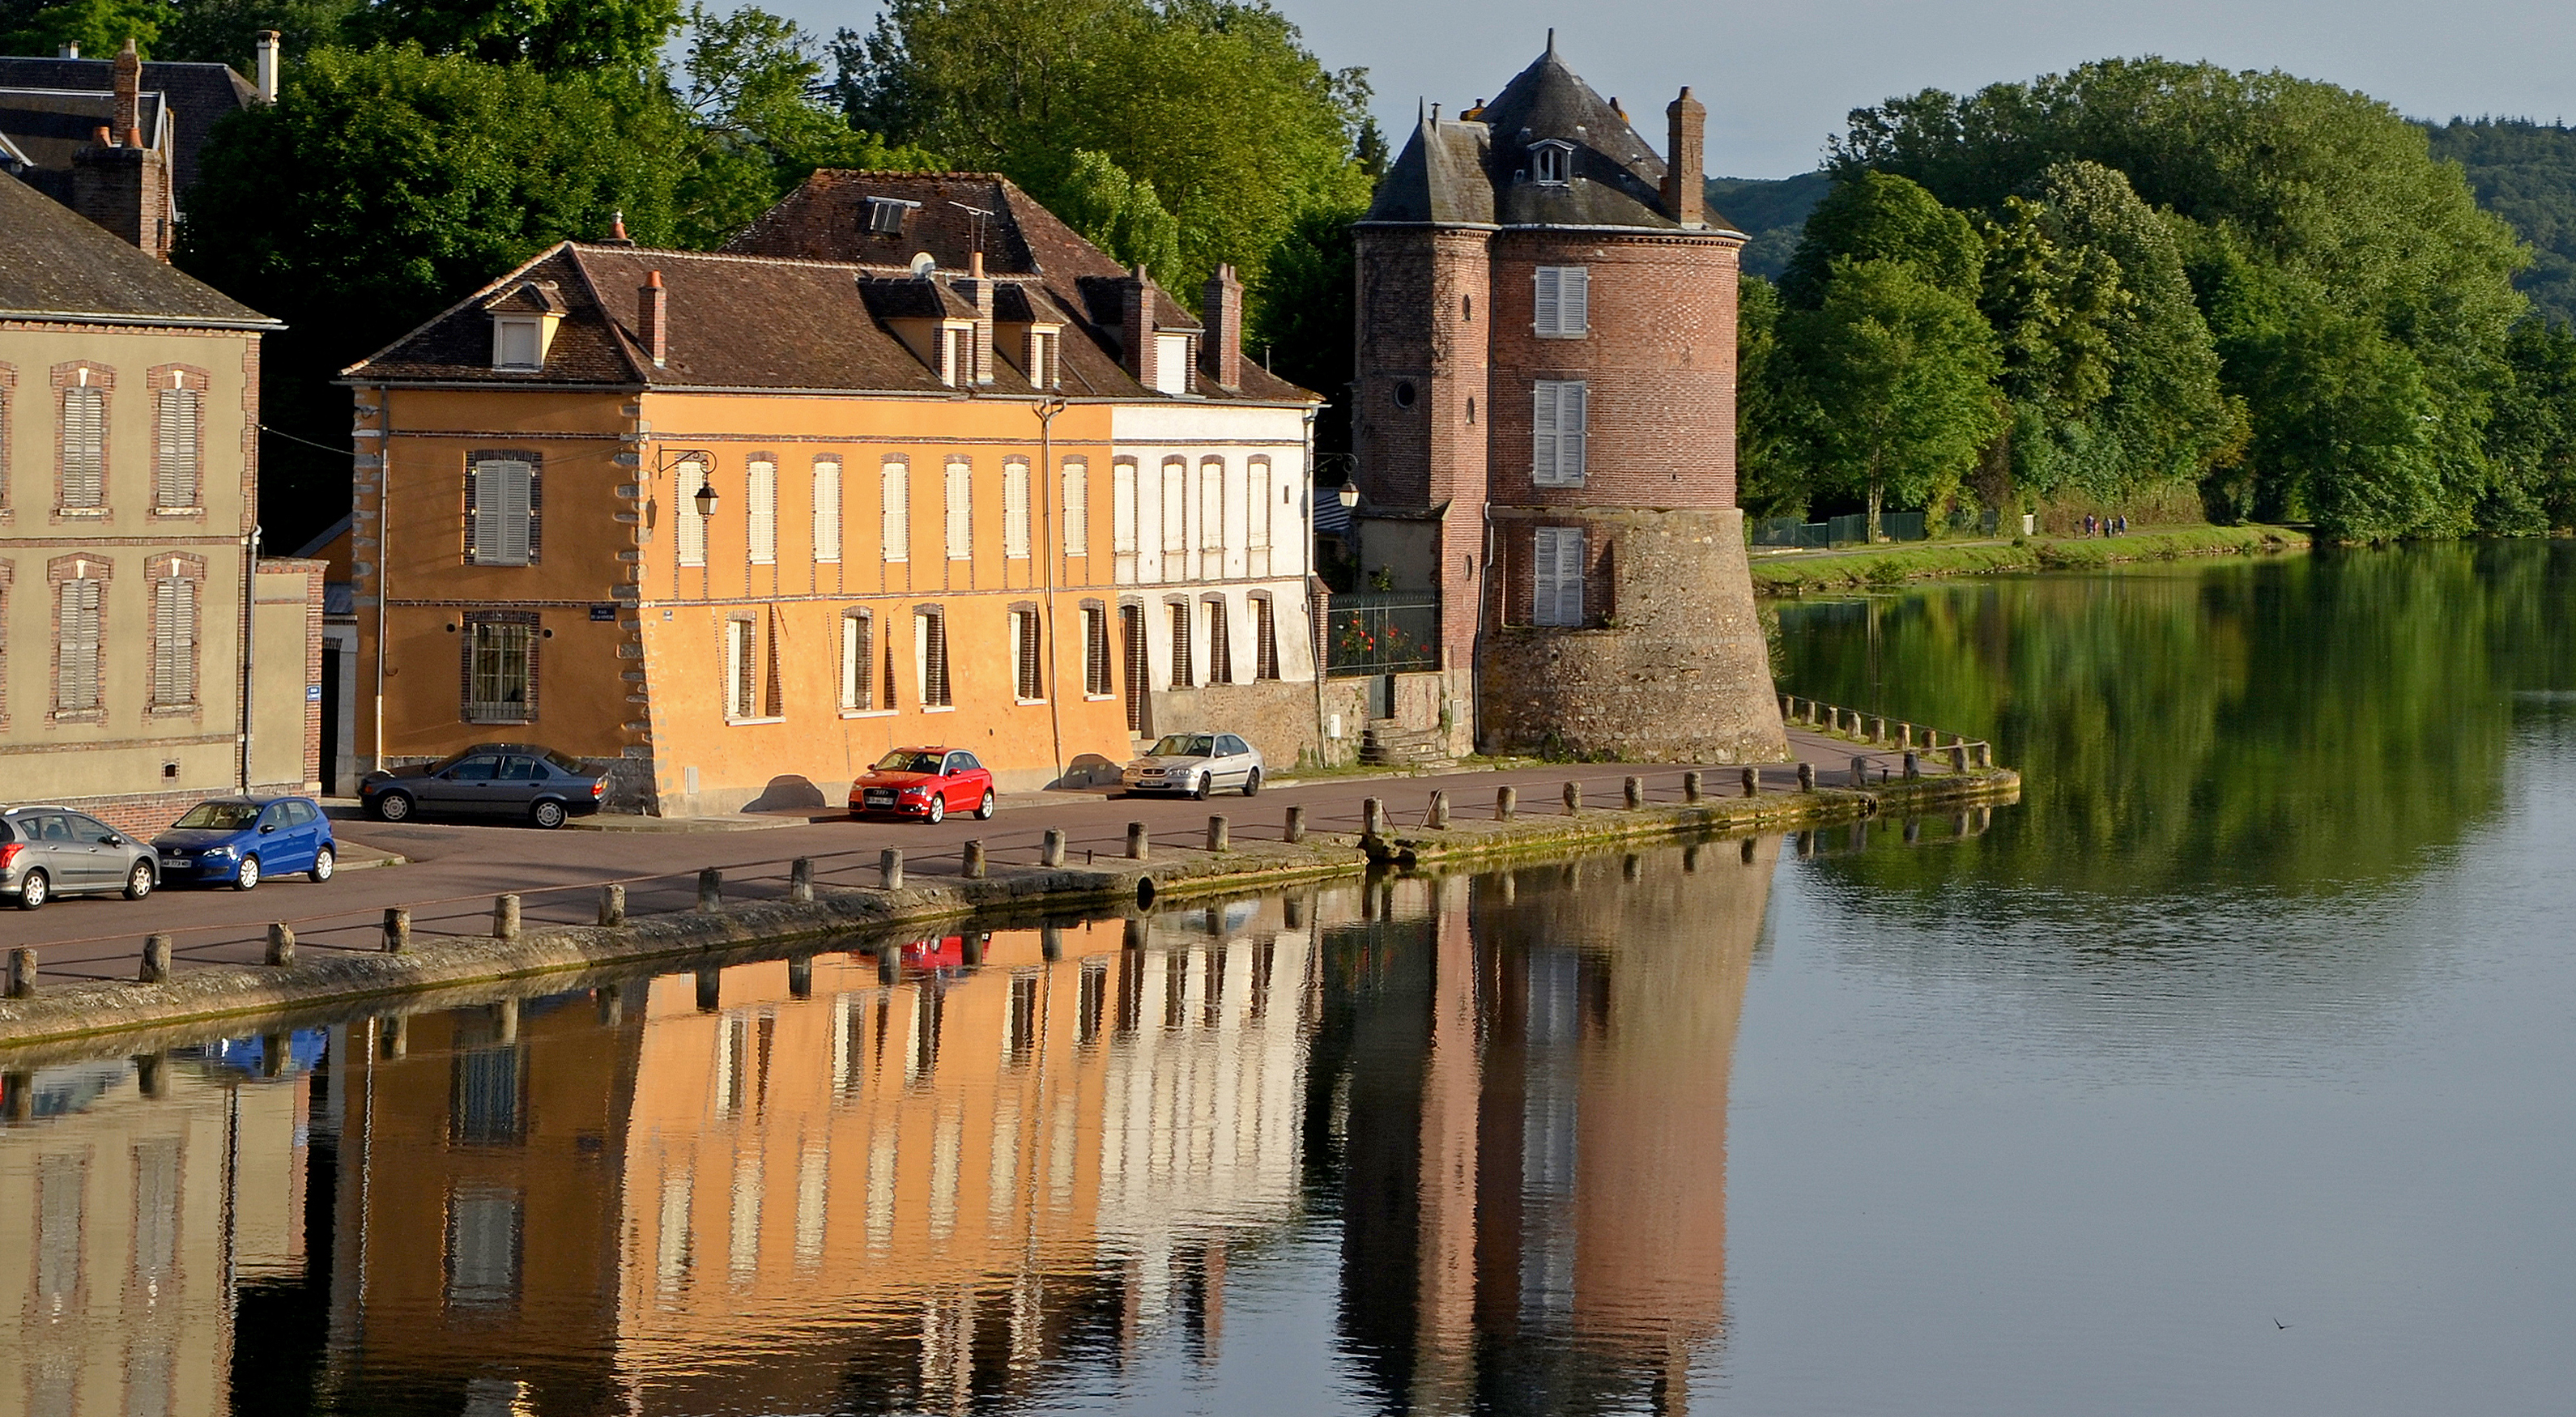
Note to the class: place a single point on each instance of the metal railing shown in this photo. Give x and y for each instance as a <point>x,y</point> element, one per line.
<point>1852,530</point>
<point>1381,632</point>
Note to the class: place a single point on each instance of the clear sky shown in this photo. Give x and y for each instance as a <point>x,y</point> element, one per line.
<point>1778,78</point>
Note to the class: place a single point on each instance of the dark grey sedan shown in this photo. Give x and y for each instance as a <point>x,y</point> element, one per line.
<point>537,785</point>
<point>51,851</point>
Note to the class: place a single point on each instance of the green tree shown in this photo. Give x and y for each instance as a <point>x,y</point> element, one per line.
<point>1305,317</point>
<point>1768,473</point>
<point>2532,439</point>
<point>1874,216</point>
<point>1893,375</point>
<point>1120,215</point>
<point>227,31</point>
<point>557,36</point>
<point>99,27</point>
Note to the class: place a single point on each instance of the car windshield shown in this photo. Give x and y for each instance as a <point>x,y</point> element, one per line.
<point>1185,745</point>
<point>219,816</point>
<point>906,760</point>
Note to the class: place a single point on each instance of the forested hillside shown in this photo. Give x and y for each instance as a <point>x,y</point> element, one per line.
<point>1770,210</point>
<point>2524,172</point>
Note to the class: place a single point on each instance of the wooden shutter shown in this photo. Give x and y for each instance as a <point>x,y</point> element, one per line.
<point>934,661</point>
<point>174,641</point>
<point>1265,640</point>
<point>1077,509</point>
<point>176,459</point>
<point>1015,511</point>
<point>1574,308</point>
<point>692,527</point>
<point>827,511</point>
<point>1024,624</point>
<point>76,689</point>
<point>961,512</point>
<point>898,512</point>
<point>506,493</point>
<point>1181,647</point>
<point>739,669</point>
<point>762,487</point>
<point>854,663</point>
<point>1543,433</point>
<point>1550,304</point>
<point>1569,434</point>
<point>1131,622</point>
<point>1559,583</point>
<point>1220,645</point>
<point>1122,509</point>
<point>1095,650</point>
<point>84,447</point>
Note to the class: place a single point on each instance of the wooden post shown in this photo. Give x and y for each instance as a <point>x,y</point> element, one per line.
<point>800,976</point>
<point>1753,782</point>
<point>889,965</point>
<point>505,1020</point>
<point>1438,817</point>
<point>1913,766</point>
<point>710,990</point>
<point>800,880</point>
<point>1628,868</point>
<point>397,929</point>
<point>505,917</point>
<point>1220,835</point>
<point>1806,777</point>
<point>20,1093</point>
<point>710,891</point>
<point>1913,830</point>
<point>1691,786</point>
<point>612,905</point>
<point>1050,942</point>
<point>281,941</point>
<point>1878,729</point>
<point>22,973</point>
<point>1138,848</point>
<point>1634,792</point>
<point>1295,830</point>
<point>1905,735</point>
<point>1573,798</point>
<point>392,1043</point>
<point>1051,853</point>
<point>890,869</point>
<point>151,1075</point>
<point>1985,755</point>
<point>1860,772</point>
<point>1958,758</point>
<point>972,864</point>
<point>1373,816</point>
<point>1506,801</point>
<point>156,960</point>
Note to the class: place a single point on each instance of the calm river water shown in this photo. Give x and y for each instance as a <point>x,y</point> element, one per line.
<point>2232,1071</point>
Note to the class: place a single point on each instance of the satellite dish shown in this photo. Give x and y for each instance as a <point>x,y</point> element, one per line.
<point>923,263</point>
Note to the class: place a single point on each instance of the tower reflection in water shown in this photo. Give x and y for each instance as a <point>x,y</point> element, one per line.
<point>1002,1180</point>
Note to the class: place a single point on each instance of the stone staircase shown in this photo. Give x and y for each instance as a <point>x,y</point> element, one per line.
<point>1386,744</point>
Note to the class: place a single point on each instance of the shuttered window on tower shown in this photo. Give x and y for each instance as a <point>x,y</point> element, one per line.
<point>1563,308</point>
<point>84,473</point>
<point>501,509</point>
<point>174,642</point>
<point>1556,433</point>
<point>178,457</point>
<point>1556,576</point>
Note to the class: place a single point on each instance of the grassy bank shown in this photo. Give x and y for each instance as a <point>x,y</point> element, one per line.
<point>1885,566</point>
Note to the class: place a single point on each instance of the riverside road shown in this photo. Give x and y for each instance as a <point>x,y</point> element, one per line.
<point>456,870</point>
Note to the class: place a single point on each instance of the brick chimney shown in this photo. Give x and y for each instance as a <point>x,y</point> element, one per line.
<point>1685,173</point>
<point>129,90</point>
<point>264,65</point>
<point>1221,349</point>
<point>1136,327</point>
<point>978,292</point>
<point>125,187</point>
<point>653,318</point>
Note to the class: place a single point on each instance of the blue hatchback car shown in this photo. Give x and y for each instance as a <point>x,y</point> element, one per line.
<point>239,841</point>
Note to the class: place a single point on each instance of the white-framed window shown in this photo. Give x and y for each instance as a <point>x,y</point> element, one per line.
<point>897,509</point>
<point>1551,162</point>
<point>1257,504</point>
<point>885,215</point>
<point>1027,657</point>
<point>956,354</point>
<point>1122,520</point>
<point>1095,651</point>
<point>1556,576</point>
<point>762,486</point>
<point>742,669</point>
<point>686,479</point>
<point>517,344</point>
<point>827,509</point>
<point>174,640</point>
<point>1212,519</point>
<point>930,655</point>
<point>1015,510</point>
<point>178,456</point>
<point>1176,526</point>
<point>961,509</point>
<point>1077,508</point>
<point>858,660</point>
<point>1042,358</point>
<point>501,509</point>
<point>1563,308</point>
<point>1172,364</point>
<point>84,467</point>
<point>1556,433</point>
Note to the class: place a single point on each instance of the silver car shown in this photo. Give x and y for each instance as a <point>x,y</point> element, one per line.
<point>1196,764</point>
<point>51,851</point>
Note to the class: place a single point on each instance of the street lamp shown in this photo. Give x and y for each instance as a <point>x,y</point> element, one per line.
<point>1349,496</point>
<point>706,498</point>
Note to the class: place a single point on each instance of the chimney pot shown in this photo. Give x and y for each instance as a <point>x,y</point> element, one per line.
<point>975,265</point>
<point>264,65</point>
<point>68,51</point>
<point>653,318</point>
<point>128,84</point>
<point>1136,327</point>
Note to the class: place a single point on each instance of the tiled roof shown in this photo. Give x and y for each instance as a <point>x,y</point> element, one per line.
<point>47,127</point>
<point>200,95</point>
<point>61,264</point>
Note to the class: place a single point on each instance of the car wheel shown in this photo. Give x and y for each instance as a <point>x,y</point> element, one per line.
<point>139,882</point>
<point>247,878</point>
<point>325,862</point>
<point>938,809</point>
<point>34,891</point>
<point>548,814</point>
<point>393,807</point>
<point>1252,782</point>
<point>984,809</point>
<point>1205,781</point>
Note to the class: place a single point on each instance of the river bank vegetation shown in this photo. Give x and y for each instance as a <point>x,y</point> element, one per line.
<point>1865,569</point>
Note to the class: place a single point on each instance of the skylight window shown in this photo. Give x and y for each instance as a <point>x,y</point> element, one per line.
<point>885,214</point>
<point>1550,162</point>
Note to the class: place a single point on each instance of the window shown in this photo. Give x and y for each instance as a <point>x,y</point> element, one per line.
<point>1556,576</point>
<point>885,215</point>
<point>763,499</point>
<point>84,448</point>
<point>1556,434</point>
<point>1220,645</point>
<point>1564,305</point>
<point>1550,161</point>
<point>1256,517</point>
<point>1172,364</point>
<point>687,478</point>
<point>1030,680</point>
<point>178,457</point>
<point>1131,629</point>
<point>858,661</point>
<point>1212,519</point>
<point>1176,527</point>
<point>1077,508</point>
<point>1265,640</point>
<point>174,638</point>
<point>1095,651</point>
<point>483,1249</point>
<point>742,669</point>
<point>77,626</point>
<point>930,648</point>
<point>501,511</point>
<point>1015,510</point>
<point>1122,521</point>
<point>961,510</point>
<point>827,510</point>
<point>500,667</point>
<point>515,345</point>
<point>897,506</point>
<point>1181,645</point>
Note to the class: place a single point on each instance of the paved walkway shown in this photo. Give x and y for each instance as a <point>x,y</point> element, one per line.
<point>456,870</point>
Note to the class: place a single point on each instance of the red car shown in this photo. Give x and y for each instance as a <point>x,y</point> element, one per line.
<point>928,783</point>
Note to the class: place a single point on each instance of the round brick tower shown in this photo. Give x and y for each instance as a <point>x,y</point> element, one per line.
<point>1546,427</point>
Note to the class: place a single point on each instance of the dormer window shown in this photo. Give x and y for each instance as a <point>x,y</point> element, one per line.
<point>1041,362</point>
<point>518,343</point>
<point>956,354</point>
<point>1172,361</point>
<point>524,318</point>
<point>1551,160</point>
<point>885,215</point>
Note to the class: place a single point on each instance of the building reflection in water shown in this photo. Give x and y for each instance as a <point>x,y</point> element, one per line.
<point>1002,1174</point>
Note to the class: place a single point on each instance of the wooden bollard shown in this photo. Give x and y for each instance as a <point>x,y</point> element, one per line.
<point>1753,782</point>
<point>505,917</point>
<point>1985,755</point>
<point>612,905</point>
<point>1437,818</point>
<point>22,973</point>
<point>1295,829</point>
<point>1050,942</point>
<point>156,960</point>
<point>1878,729</point>
<point>1913,766</point>
<point>800,976</point>
<point>397,929</point>
<point>505,1020</point>
<point>1905,735</point>
<point>889,964</point>
<point>1137,846</point>
<point>1573,798</point>
<point>1132,934</point>
<point>1051,847</point>
<point>151,1075</point>
<point>1788,706</point>
<point>710,990</point>
<point>1633,791</point>
<point>1860,772</point>
<point>1506,801</point>
<point>971,865</point>
<point>1220,836</point>
<point>970,947</point>
<point>392,1042</point>
<point>1806,777</point>
<point>1691,786</point>
<point>800,880</point>
<point>1373,816</point>
<point>281,941</point>
<point>710,891</point>
<point>890,869</point>
<point>1959,758</point>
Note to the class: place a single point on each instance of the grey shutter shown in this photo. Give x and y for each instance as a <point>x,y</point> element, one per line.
<point>174,482</point>
<point>1550,311</point>
<point>477,534</point>
<point>1574,312</point>
<point>174,641</point>
<point>78,688</point>
<point>84,447</point>
<point>504,510</point>
<point>1543,433</point>
<point>1569,434</point>
<point>1569,576</point>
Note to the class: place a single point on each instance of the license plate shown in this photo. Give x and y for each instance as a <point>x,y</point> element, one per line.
<point>880,799</point>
